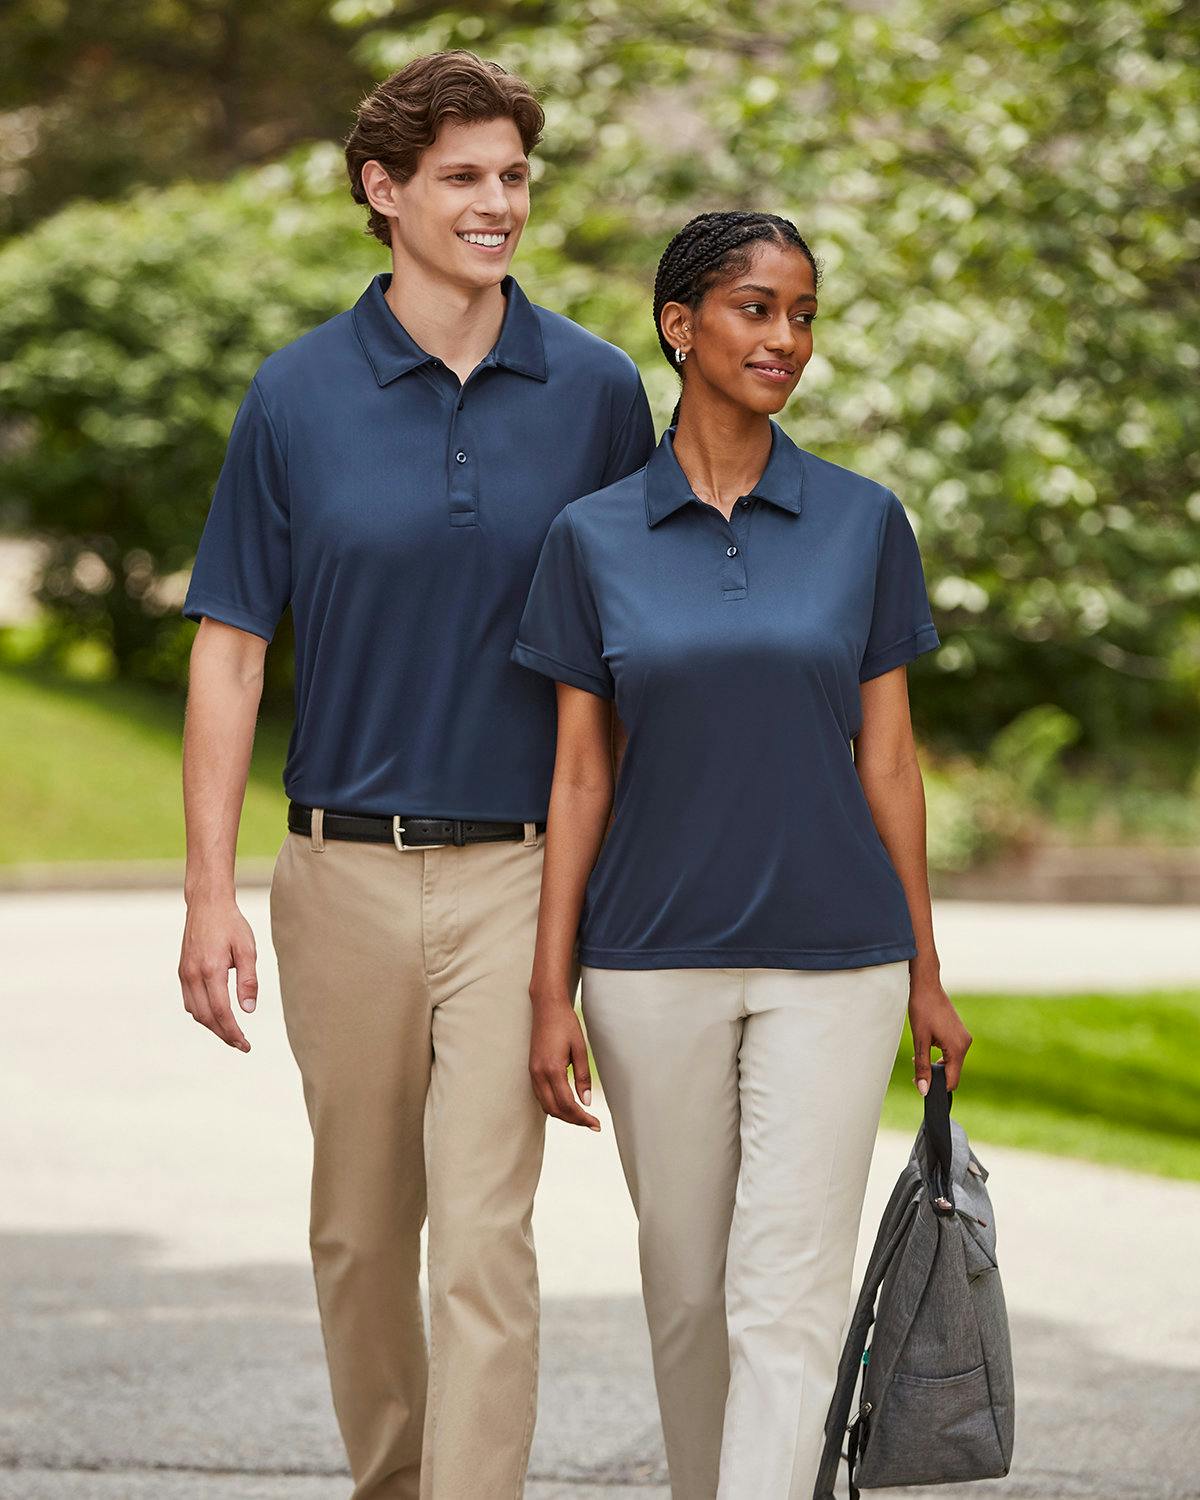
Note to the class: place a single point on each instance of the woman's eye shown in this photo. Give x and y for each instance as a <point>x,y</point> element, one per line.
<point>753,306</point>
<point>807,317</point>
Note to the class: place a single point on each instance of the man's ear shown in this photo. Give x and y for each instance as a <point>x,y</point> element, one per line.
<point>380,189</point>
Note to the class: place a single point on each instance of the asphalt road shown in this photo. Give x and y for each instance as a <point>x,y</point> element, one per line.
<point>158,1333</point>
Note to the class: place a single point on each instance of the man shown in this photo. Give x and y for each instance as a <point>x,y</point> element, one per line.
<point>392,474</point>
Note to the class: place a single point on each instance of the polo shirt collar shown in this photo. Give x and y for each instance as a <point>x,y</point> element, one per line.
<point>392,351</point>
<point>667,488</point>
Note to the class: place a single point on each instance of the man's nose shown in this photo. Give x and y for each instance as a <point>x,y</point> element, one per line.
<point>491,197</point>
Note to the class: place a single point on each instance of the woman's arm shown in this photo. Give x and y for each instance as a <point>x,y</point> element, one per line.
<point>885,758</point>
<point>580,802</point>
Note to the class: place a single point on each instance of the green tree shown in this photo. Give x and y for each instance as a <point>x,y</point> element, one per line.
<point>1004,201</point>
<point>97,96</point>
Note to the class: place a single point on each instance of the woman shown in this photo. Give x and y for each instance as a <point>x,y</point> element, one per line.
<point>759,917</point>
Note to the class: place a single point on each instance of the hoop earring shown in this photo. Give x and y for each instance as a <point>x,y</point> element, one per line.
<point>680,356</point>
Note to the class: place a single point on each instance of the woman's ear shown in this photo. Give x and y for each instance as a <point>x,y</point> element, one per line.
<point>675,320</point>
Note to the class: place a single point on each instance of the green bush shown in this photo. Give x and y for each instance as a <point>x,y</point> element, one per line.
<point>1007,338</point>
<point>134,328</point>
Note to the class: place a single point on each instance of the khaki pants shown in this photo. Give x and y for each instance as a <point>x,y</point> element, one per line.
<point>745,1105</point>
<point>405,984</point>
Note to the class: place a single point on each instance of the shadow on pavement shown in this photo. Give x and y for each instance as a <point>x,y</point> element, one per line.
<point>122,1378</point>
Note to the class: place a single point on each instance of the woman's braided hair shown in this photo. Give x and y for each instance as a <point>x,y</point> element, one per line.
<point>708,249</point>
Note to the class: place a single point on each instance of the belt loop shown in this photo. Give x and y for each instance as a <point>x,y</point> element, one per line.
<point>317,836</point>
<point>532,836</point>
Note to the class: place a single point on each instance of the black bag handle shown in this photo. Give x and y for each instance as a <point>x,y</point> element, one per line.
<point>939,1144</point>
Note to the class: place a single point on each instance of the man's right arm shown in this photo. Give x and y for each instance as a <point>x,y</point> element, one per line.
<point>225,681</point>
<point>239,589</point>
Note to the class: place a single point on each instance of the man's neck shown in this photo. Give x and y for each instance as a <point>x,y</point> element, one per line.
<point>458,324</point>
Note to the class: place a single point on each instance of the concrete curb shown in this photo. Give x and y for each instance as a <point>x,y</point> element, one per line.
<point>1068,875</point>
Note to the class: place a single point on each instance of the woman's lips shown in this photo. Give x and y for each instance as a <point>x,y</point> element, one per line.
<point>776,374</point>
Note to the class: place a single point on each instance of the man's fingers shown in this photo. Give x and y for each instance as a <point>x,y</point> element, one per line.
<point>244,959</point>
<point>216,987</point>
<point>194,1001</point>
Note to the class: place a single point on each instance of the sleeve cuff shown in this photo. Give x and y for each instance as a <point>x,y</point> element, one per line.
<point>898,654</point>
<point>561,671</point>
<point>200,608</point>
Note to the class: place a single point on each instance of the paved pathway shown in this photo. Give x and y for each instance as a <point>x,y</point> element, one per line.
<point>159,1336</point>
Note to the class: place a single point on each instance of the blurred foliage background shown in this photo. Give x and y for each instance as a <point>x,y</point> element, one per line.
<point>1004,200</point>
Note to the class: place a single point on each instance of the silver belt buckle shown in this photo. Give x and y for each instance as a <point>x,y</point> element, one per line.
<point>398,838</point>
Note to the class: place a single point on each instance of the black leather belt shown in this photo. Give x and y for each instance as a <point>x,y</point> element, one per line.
<point>405,831</point>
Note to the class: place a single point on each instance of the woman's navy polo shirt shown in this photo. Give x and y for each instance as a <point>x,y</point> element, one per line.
<point>734,650</point>
<point>401,513</point>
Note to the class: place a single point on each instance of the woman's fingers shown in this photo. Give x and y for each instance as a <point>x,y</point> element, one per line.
<point>953,1049</point>
<point>922,1069</point>
<point>567,1108</point>
<point>553,1092</point>
<point>581,1070</point>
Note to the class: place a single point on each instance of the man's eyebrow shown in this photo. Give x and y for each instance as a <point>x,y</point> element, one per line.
<point>769,291</point>
<point>473,166</point>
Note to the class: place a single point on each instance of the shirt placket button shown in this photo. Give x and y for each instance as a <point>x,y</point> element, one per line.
<point>462,500</point>
<point>734,569</point>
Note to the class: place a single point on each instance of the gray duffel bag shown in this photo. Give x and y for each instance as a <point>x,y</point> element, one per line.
<point>937,1394</point>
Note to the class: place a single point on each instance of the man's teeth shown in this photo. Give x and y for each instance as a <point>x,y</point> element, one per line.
<point>483,239</point>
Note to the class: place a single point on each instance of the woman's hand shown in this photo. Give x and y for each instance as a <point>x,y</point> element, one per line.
<point>936,1023</point>
<point>556,1041</point>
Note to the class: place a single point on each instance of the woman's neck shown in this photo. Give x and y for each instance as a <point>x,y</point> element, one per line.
<point>722,452</point>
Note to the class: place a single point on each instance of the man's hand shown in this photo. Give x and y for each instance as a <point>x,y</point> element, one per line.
<point>217,938</point>
<point>556,1041</point>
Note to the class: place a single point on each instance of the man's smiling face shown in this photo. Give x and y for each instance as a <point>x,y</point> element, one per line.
<point>462,212</point>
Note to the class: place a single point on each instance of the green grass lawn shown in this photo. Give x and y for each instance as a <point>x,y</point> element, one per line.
<point>91,771</point>
<point>1113,1078</point>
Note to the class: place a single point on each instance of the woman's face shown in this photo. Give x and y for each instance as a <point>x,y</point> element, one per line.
<point>750,338</point>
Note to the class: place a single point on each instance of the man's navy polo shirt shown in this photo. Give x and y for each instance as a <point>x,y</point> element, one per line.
<point>401,513</point>
<point>734,649</point>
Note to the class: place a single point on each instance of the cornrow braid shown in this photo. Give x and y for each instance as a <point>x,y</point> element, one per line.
<point>709,248</point>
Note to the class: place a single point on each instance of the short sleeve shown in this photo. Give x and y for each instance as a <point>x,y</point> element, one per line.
<point>901,624</point>
<point>633,441</point>
<point>559,634</point>
<point>242,575</point>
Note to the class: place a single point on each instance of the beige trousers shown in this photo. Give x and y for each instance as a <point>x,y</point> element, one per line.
<point>745,1105</point>
<point>405,984</point>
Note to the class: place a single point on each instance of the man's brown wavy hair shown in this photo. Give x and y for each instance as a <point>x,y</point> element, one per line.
<point>401,117</point>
